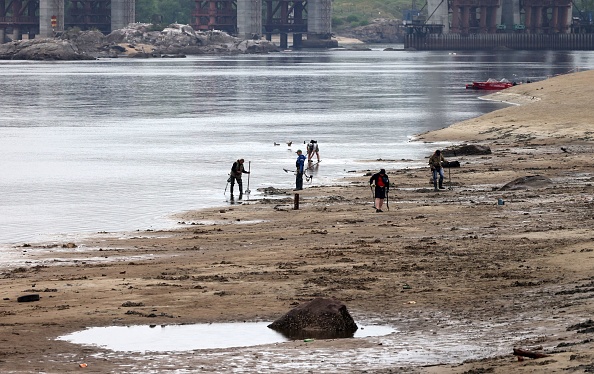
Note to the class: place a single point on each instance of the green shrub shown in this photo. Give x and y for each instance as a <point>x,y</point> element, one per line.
<point>352,18</point>
<point>336,22</point>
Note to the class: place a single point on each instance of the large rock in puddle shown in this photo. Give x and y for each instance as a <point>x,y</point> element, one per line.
<point>320,318</point>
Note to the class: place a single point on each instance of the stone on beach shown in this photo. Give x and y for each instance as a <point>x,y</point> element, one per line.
<point>320,318</point>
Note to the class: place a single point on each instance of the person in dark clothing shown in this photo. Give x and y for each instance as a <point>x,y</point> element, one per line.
<point>435,162</point>
<point>382,186</point>
<point>236,171</point>
<point>300,166</point>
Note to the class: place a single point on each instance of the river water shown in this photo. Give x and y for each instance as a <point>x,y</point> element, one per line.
<point>122,144</point>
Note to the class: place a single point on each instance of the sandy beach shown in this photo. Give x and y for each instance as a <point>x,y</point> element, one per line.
<point>459,277</point>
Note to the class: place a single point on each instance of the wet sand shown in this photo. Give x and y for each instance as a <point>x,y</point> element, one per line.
<point>461,279</point>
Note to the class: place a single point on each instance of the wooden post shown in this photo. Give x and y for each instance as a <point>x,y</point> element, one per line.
<point>296,204</point>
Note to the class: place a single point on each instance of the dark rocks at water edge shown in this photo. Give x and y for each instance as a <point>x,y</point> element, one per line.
<point>137,40</point>
<point>320,318</point>
<point>466,150</point>
<point>42,49</point>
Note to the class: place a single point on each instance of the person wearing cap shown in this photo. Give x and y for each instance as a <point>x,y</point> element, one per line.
<point>312,148</point>
<point>382,185</point>
<point>435,162</point>
<point>236,171</point>
<point>300,166</point>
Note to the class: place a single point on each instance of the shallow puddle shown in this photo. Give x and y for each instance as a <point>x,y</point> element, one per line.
<point>168,338</point>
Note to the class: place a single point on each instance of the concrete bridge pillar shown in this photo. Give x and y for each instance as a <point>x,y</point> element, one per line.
<point>249,19</point>
<point>483,20</point>
<point>528,19</point>
<point>319,19</point>
<point>565,19</point>
<point>492,20</point>
<point>509,14</point>
<point>439,9</point>
<point>538,19</point>
<point>122,13</point>
<point>47,10</point>
<point>456,22</point>
<point>16,33</point>
<point>465,20</point>
<point>555,19</point>
<point>2,36</point>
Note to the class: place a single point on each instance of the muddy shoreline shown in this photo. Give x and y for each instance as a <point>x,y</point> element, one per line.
<point>484,278</point>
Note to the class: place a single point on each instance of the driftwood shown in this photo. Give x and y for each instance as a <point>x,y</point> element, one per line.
<point>527,353</point>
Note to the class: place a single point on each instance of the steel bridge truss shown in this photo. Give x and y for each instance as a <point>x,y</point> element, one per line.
<point>21,16</point>
<point>215,15</point>
<point>89,15</point>
<point>474,16</point>
<point>285,16</point>
<point>546,16</point>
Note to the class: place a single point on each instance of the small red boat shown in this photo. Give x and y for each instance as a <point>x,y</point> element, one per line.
<point>490,84</point>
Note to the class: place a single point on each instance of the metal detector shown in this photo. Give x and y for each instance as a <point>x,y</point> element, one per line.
<point>247,191</point>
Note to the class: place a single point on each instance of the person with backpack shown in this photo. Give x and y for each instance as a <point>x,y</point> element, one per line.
<point>236,171</point>
<point>382,186</point>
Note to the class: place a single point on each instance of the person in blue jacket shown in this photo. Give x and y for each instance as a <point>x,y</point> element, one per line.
<point>300,165</point>
<point>382,186</point>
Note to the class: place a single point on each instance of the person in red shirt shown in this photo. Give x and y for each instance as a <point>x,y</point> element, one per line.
<point>382,186</point>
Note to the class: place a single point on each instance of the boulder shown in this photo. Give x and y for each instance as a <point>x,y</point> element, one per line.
<point>45,49</point>
<point>320,318</point>
<point>524,183</point>
<point>466,150</point>
<point>85,41</point>
<point>451,164</point>
<point>381,30</point>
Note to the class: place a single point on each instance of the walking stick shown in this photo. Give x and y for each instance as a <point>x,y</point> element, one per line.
<point>372,195</point>
<point>387,199</point>
<point>247,192</point>
<point>450,177</point>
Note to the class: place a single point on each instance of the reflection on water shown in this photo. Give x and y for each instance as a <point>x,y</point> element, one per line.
<point>119,145</point>
<point>166,338</point>
<point>317,334</point>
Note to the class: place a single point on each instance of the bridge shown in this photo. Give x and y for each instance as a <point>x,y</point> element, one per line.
<point>469,17</point>
<point>20,19</point>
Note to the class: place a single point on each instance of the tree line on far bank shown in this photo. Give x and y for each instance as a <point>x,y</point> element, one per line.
<point>345,13</point>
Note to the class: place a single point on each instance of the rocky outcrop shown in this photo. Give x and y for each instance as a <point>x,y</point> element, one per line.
<point>183,39</point>
<point>379,31</point>
<point>320,318</point>
<point>466,150</point>
<point>85,41</point>
<point>137,40</point>
<point>42,49</point>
